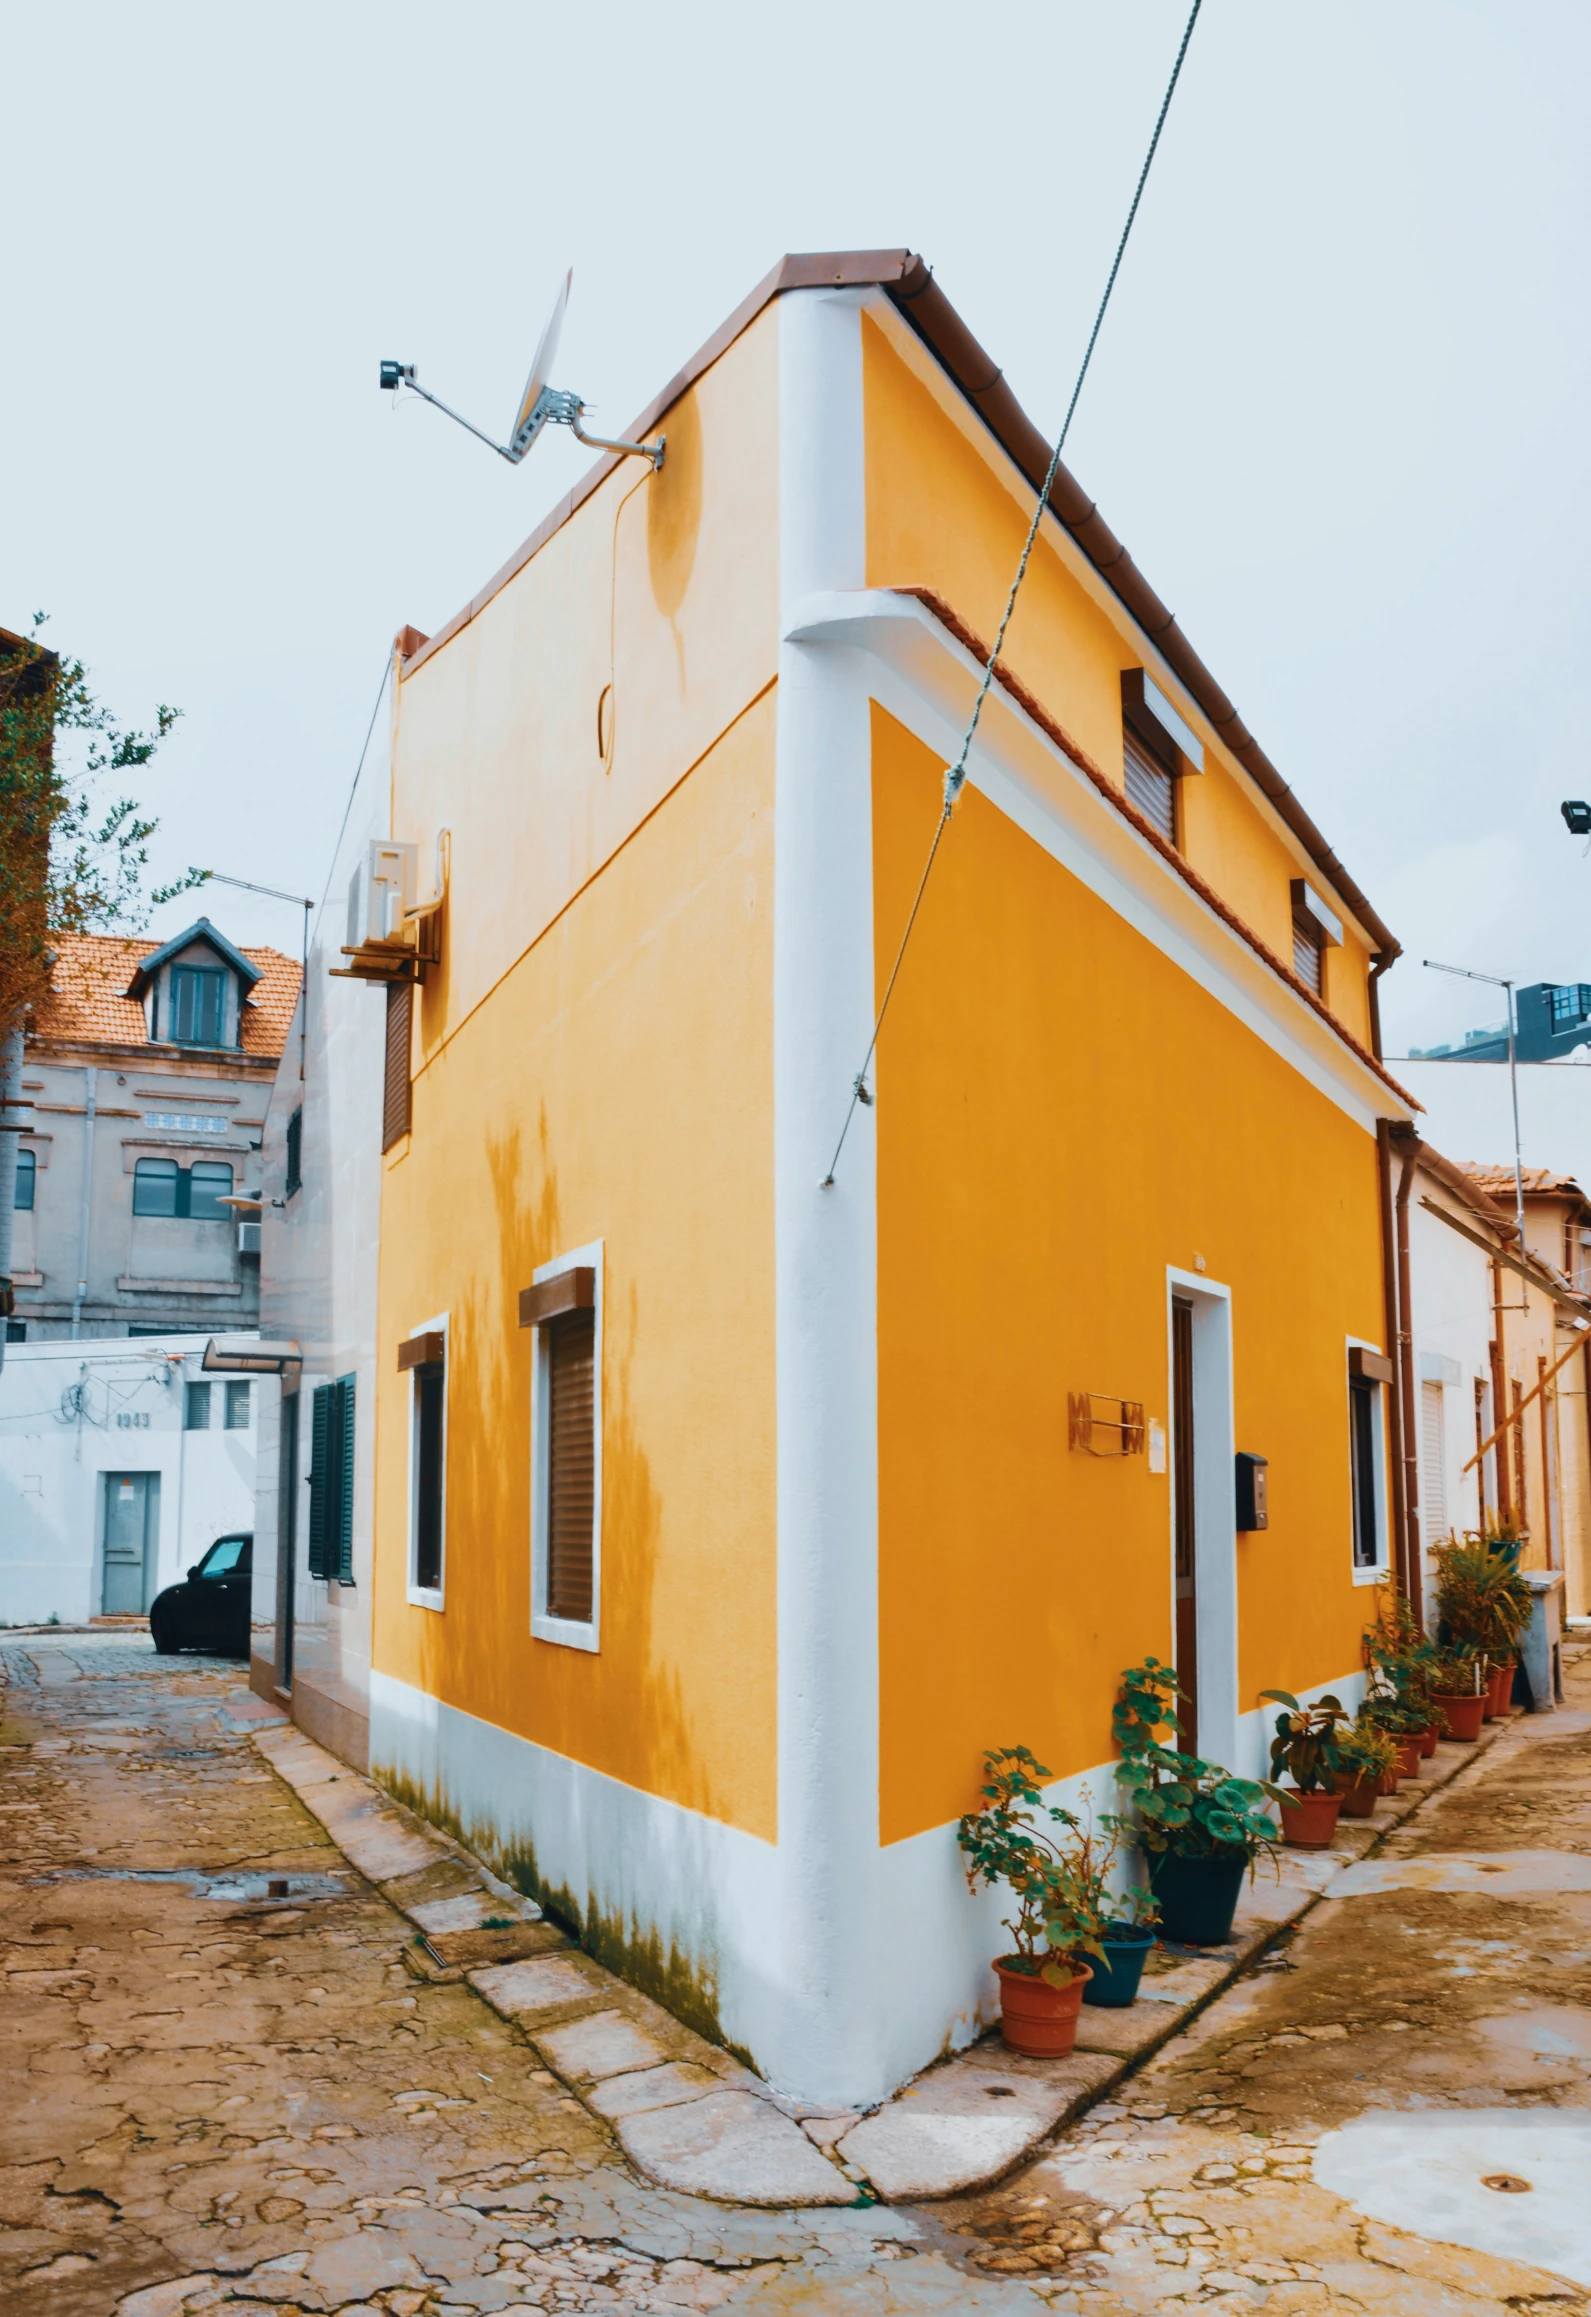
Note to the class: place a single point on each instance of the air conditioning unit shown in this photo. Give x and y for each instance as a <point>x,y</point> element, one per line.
<point>382,887</point>
<point>248,1238</point>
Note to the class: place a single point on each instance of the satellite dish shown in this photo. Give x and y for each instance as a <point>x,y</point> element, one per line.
<point>538,405</point>
<point>528,419</point>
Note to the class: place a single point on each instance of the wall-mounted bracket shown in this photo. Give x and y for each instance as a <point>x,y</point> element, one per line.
<point>1104,1425</point>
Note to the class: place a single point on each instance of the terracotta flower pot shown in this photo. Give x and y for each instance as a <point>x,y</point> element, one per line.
<point>1309,1820</point>
<point>1036,2019</point>
<point>1463,1715</point>
<point>1501,1692</point>
<point>1359,1796</point>
<point>1428,1739</point>
<point>1408,1761</point>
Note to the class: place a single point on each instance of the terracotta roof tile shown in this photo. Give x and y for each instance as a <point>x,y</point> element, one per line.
<point>1498,1182</point>
<point>86,1005</point>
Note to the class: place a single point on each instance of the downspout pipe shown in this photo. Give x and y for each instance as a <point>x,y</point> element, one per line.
<point>1378,966</point>
<point>86,1206</point>
<point>1409,1146</point>
<point>1393,1339</point>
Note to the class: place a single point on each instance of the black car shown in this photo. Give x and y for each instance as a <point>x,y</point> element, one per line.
<point>210,1609</point>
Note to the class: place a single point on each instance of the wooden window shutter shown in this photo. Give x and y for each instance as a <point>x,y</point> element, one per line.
<point>319,1476</point>
<point>571,1464</point>
<point>345,1481</point>
<point>396,1100</point>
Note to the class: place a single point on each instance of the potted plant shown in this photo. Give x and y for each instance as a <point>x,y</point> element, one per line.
<point>1058,1883</point>
<point>1366,1766</point>
<point>1305,1745</point>
<point>1398,1655</point>
<point>1201,1828</point>
<point>1129,1934</point>
<point>1484,1604</point>
<point>1458,1689</point>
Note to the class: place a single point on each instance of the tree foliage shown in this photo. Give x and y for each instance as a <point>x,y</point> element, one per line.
<point>69,861</point>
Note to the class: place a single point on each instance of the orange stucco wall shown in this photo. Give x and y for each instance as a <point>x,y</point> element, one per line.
<point>592,1061</point>
<point>1063,1114</point>
<point>941,514</point>
<point>618,1087</point>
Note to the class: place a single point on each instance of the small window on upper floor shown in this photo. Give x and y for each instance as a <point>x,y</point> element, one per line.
<point>1316,928</point>
<point>161,1187</point>
<point>198,1005</point>
<point>27,1176</point>
<point>237,1407</point>
<point>1158,747</point>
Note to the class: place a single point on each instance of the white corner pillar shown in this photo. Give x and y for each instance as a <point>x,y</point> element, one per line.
<point>833,1954</point>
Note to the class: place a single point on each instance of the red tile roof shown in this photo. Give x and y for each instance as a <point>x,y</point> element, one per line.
<point>87,1007</point>
<point>1498,1182</point>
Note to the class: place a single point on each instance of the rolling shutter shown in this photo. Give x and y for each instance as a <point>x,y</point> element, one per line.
<point>1150,787</point>
<point>571,1465</point>
<point>1433,1431</point>
<point>395,1095</point>
<point>319,1476</point>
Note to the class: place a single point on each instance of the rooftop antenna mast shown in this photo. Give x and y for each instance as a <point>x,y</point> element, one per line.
<point>539,405</point>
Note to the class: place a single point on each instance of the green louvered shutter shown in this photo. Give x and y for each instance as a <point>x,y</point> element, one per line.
<point>345,1478</point>
<point>319,1477</point>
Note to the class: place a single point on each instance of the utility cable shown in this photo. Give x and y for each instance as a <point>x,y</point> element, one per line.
<point>955,774</point>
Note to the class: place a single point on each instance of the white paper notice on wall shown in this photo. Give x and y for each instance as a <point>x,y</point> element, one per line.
<point>1157,1445</point>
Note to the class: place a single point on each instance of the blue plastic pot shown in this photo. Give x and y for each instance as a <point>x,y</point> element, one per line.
<point>1197,1897</point>
<point>1115,1980</point>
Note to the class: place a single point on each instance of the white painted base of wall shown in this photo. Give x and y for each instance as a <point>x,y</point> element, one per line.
<point>729,1908</point>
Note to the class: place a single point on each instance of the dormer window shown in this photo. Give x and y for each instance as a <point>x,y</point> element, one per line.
<point>195,989</point>
<point>198,1005</point>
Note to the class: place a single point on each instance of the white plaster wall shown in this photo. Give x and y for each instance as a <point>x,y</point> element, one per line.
<point>1451,1297</point>
<point>52,1466</point>
<point>318,1260</point>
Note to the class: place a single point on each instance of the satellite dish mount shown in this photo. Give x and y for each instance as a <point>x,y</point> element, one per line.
<point>540,405</point>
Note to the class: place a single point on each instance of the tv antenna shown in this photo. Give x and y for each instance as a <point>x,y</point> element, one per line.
<point>540,404</point>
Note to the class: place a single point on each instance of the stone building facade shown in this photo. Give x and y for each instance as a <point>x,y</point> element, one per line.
<point>147,1072</point>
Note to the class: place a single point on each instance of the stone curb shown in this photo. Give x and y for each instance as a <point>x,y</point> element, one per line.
<point>691,2118</point>
<point>941,2136</point>
<point>686,2113</point>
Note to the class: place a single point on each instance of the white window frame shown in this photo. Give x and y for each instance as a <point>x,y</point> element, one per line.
<point>1380,1569</point>
<point>567,1632</point>
<point>427,1596</point>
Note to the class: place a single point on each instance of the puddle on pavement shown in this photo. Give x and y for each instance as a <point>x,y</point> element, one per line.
<point>262,1890</point>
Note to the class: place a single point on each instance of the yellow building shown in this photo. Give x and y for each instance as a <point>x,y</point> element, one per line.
<point>724,1519</point>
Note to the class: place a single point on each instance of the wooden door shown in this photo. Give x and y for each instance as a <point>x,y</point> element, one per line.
<point>1183,1507</point>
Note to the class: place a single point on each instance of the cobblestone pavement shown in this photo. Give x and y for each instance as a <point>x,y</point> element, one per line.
<point>217,2102</point>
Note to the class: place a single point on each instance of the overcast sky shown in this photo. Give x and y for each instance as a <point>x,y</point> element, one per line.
<point>1338,414</point>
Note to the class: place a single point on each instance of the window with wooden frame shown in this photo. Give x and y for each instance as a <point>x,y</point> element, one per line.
<point>331,1481</point>
<point>423,1358</point>
<point>1316,928</point>
<point>1369,1373</point>
<point>1158,747</point>
<point>564,1306</point>
<point>396,1092</point>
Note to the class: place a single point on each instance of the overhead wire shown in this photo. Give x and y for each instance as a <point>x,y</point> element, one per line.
<point>955,774</point>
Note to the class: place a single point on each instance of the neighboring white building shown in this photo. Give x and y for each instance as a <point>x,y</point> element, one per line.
<point>120,1462</point>
<point>321,1158</point>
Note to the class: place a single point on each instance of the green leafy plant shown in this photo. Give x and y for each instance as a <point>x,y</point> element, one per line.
<point>1482,1601</point>
<point>1457,1673</point>
<point>1306,1740</point>
<point>1134,1909</point>
<point>1057,1880</point>
<point>1181,1804</point>
<point>1398,1712</point>
<point>1365,1751</point>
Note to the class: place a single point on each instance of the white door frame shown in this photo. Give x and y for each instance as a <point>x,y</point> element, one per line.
<point>1215,1508</point>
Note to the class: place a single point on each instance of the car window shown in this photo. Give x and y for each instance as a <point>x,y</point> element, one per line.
<point>226,1557</point>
